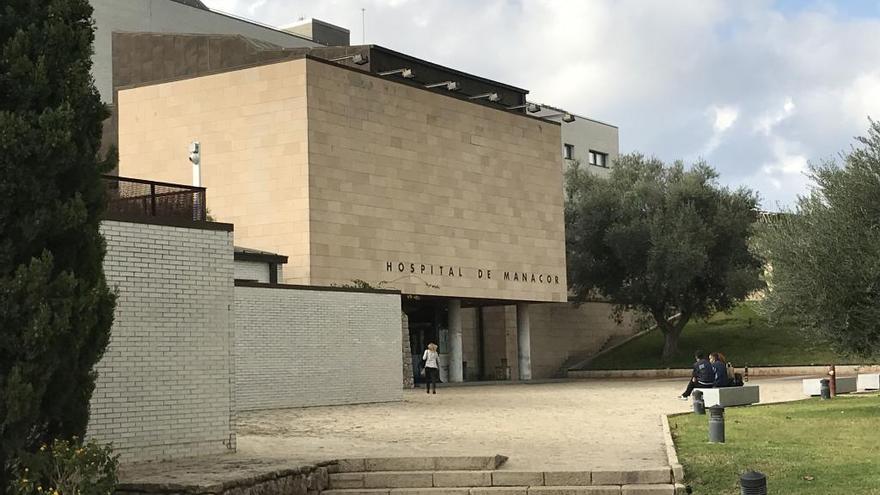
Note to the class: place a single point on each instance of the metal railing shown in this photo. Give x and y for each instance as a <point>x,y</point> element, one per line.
<point>137,197</point>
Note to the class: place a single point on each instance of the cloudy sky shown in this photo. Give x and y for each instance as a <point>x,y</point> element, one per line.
<point>759,88</point>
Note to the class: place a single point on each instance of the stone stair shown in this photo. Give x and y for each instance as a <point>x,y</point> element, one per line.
<point>483,476</point>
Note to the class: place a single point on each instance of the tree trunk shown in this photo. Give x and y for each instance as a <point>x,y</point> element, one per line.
<point>670,344</point>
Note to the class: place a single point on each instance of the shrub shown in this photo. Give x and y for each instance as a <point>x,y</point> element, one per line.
<point>67,468</point>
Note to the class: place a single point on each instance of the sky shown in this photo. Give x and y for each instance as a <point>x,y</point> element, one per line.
<point>759,89</point>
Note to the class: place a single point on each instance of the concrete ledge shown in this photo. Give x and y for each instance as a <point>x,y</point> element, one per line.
<point>430,491</point>
<point>450,463</point>
<point>347,480</point>
<point>399,479</point>
<point>567,478</point>
<point>753,371</point>
<point>647,490</point>
<point>638,477</point>
<point>462,478</point>
<point>360,491</point>
<point>501,490</point>
<point>731,396</point>
<point>574,490</point>
<point>671,454</point>
<point>868,381</point>
<point>845,385</point>
<point>517,478</point>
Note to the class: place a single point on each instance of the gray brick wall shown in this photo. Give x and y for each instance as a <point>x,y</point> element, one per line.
<point>296,347</point>
<point>252,270</point>
<point>164,387</point>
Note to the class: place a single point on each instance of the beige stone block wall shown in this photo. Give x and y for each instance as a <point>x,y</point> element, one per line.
<point>354,176</point>
<point>561,333</point>
<point>422,180</point>
<point>252,128</point>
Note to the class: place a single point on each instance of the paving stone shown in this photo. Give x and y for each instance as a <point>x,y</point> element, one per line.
<point>647,489</point>
<point>569,478</point>
<point>517,478</point>
<point>347,480</point>
<point>430,491</point>
<point>350,465</point>
<point>500,490</point>
<point>574,490</point>
<point>641,476</point>
<point>462,478</point>
<point>399,464</point>
<point>399,479</point>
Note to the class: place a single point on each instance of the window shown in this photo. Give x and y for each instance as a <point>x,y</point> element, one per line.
<point>598,158</point>
<point>568,151</point>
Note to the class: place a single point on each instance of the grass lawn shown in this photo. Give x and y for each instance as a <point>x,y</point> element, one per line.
<point>806,447</point>
<point>746,338</point>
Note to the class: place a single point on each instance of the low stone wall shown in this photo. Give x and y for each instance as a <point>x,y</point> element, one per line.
<point>848,369</point>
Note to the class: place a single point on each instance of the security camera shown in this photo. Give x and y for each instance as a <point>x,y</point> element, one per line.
<point>195,152</point>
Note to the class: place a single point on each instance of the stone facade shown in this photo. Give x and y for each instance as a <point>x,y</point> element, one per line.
<point>408,376</point>
<point>356,176</point>
<point>164,387</point>
<point>297,347</point>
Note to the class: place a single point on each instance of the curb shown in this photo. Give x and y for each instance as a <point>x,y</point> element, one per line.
<point>847,369</point>
<point>671,454</point>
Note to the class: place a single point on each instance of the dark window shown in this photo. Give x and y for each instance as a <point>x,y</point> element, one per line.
<point>568,151</point>
<point>598,158</point>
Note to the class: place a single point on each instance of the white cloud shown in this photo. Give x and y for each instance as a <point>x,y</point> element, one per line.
<point>760,89</point>
<point>725,116</point>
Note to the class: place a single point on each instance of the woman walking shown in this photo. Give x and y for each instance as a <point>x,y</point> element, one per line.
<point>432,367</point>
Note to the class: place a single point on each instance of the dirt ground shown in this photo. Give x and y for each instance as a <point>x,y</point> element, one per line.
<point>572,425</point>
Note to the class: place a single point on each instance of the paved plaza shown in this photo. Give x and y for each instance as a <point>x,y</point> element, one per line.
<point>570,425</point>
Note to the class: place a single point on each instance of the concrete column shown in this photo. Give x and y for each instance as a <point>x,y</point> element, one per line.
<point>523,341</point>
<point>455,354</point>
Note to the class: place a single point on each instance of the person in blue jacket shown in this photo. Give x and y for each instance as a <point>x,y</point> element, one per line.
<point>719,369</point>
<point>702,377</point>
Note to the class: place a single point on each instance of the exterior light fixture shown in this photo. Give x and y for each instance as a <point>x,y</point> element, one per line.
<point>488,96</point>
<point>566,117</point>
<point>357,59</point>
<point>530,107</point>
<point>450,85</point>
<point>404,73</point>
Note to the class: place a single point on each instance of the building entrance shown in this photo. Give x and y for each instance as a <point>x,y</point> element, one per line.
<point>428,322</point>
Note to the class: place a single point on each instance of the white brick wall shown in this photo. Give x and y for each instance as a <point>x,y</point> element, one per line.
<point>297,347</point>
<point>164,388</point>
<point>252,270</point>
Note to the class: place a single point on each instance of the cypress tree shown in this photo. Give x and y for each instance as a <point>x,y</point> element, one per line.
<point>55,307</point>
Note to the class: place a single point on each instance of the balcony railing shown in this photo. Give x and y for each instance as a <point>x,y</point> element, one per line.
<point>138,197</point>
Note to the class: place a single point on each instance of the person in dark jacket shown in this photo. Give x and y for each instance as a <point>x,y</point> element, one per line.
<point>719,368</point>
<point>703,375</point>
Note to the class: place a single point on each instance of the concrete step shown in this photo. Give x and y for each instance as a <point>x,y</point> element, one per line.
<point>447,463</point>
<point>487,478</point>
<point>636,489</point>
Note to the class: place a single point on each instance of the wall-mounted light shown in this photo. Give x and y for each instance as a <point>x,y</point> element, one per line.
<point>405,73</point>
<point>450,85</point>
<point>357,59</point>
<point>488,96</point>
<point>566,117</point>
<point>530,107</point>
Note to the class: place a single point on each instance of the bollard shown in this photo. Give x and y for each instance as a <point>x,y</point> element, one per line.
<point>699,403</point>
<point>716,424</point>
<point>753,483</point>
<point>824,389</point>
<point>833,385</point>
<point>746,374</point>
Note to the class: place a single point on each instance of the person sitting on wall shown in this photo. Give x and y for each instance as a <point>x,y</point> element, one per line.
<point>719,369</point>
<point>703,375</point>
